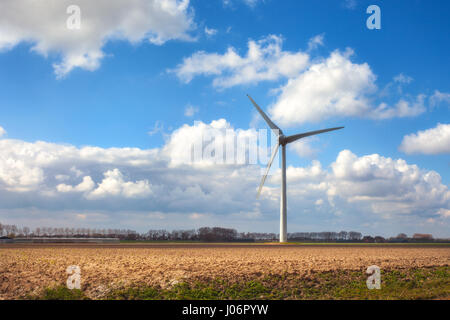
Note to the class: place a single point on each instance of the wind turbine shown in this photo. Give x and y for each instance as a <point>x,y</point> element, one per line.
<point>283,141</point>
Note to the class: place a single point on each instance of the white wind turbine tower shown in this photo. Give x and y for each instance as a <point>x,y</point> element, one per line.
<point>283,141</point>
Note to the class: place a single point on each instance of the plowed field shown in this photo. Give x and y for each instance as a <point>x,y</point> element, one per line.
<point>27,270</point>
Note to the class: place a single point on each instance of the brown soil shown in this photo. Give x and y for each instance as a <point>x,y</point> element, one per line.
<point>29,269</point>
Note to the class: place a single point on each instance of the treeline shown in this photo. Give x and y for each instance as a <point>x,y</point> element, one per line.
<point>326,236</point>
<point>205,234</point>
<point>12,231</point>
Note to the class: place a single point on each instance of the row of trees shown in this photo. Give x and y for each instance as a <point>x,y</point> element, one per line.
<point>14,231</point>
<point>207,234</point>
<point>326,236</point>
<point>201,234</point>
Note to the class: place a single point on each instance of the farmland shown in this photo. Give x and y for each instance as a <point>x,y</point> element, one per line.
<point>135,271</point>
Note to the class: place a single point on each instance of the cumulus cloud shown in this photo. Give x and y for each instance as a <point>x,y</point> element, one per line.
<point>2,132</point>
<point>336,87</point>
<point>136,186</point>
<point>265,60</point>
<point>43,25</point>
<point>315,90</point>
<point>19,175</point>
<point>114,185</point>
<point>303,148</point>
<point>329,88</point>
<point>23,164</point>
<point>217,143</point>
<point>86,185</point>
<point>314,172</point>
<point>386,185</point>
<point>444,213</point>
<point>432,141</point>
<point>372,185</point>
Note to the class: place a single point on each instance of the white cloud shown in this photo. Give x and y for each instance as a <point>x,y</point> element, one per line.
<point>303,148</point>
<point>439,97</point>
<point>43,25</point>
<point>77,172</point>
<point>314,172</point>
<point>314,91</point>
<point>265,60</point>
<point>114,185</point>
<point>432,141</point>
<point>398,82</point>
<point>319,202</point>
<point>315,42</point>
<point>444,213</point>
<point>401,78</point>
<point>19,176</point>
<point>158,127</point>
<point>196,216</point>
<point>210,32</point>
<point>81,216</point>
<point>336,87</point>
<point>62,177</point>
<point>371,184</point>
<point>23,164</point>
<point>218,144</point>
<point>180,147</point>
<point>401,109</point>
<point>127,184</point>
<point>2,132</point>
<point>86,185</point>
<point>386,185</point>
<point>190,110</point>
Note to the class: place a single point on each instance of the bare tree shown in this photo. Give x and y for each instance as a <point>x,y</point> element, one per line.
<point>353,235</point>
<point>26,231</point>
<point>343,235</point>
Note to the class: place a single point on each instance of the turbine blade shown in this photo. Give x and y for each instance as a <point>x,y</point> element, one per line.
<point>272,125</point>
<point>307,134</point>
<point>274,152</point>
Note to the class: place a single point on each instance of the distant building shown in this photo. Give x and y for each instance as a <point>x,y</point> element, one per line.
<point>6,240</point>
<point>422,236</point>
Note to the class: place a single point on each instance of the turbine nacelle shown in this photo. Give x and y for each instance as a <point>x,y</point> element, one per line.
<point>282,140</point>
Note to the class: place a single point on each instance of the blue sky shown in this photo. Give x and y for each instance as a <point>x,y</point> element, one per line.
<point>138,85</point>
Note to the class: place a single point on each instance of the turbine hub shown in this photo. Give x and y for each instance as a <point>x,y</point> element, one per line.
<point>282,139</point>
